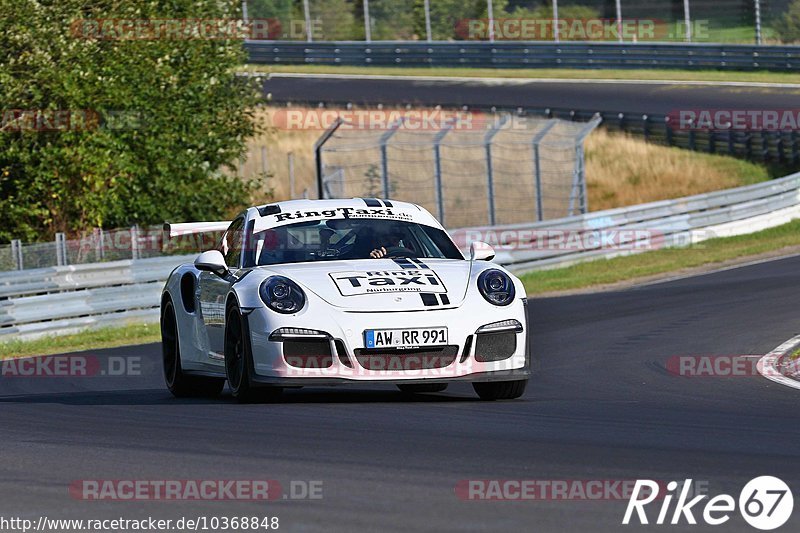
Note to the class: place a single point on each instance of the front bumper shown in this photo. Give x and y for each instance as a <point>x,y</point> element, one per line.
<point>270,366</point>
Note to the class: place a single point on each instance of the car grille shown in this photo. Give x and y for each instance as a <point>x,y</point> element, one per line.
<point>495,346</point>
<point>412,359</point>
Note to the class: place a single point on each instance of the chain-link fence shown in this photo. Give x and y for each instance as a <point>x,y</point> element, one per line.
<point>97,246</point>
<point>723,21</point>
<point>467,170</point>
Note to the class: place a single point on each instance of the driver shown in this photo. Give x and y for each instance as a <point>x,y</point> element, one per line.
<point>384,241</point>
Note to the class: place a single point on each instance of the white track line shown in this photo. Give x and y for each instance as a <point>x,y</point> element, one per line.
<point>522,81</point>
<point>768,365</point>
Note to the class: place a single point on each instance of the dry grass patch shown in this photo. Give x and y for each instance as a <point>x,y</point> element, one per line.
<point>623,170</point>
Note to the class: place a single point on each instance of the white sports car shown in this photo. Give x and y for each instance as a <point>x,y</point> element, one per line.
<point>328,292</point>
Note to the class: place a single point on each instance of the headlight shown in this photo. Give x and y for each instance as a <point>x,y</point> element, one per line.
<point>282,295</point>
<point>496,286</point>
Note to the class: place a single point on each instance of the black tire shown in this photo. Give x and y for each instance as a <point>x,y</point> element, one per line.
<point>500,390</point>
<point>422,388</point>
<point>237,366</point>
<point>178,382</point>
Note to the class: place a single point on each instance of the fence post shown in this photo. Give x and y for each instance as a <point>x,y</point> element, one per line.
<point>367,29</point>
<point>579,172</point>
<point>318,153</point>
<point>490,13</point>
<point>290,157</point>
<point>264,162</point>
<point>437,169</point>
<point>428,32</point>
<point>134,242</point>
<point>16,253</point>
<point>307,16</point>
<point>487,142</point>
<point>61,249</point>
<point>537,167</point>
<point>687,20</point>
<point>556,37</point>
<point>619,20</point>
<point>758,21</point>
<point>384,159</point>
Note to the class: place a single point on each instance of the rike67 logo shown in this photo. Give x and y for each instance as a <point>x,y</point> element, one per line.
<point>765,503</point>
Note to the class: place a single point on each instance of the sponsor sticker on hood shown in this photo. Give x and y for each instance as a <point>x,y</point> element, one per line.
<point>354,283</point>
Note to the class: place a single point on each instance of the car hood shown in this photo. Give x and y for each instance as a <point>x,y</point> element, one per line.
<point>383,284</point>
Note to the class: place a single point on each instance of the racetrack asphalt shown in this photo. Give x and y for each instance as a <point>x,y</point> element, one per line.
<point>627,96</point>
<point>602,407</point>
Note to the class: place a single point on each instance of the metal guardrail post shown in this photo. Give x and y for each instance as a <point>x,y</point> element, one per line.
<point>61,249</point>
<point>16,253</point>
<point>537,167</point>
<point>318,153</point>
<point>384,159</point>
<point>437,169</point>
<point>487,142</point>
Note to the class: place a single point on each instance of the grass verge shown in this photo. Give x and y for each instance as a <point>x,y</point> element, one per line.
<point>567,74</point>
<point>86,340</point>
<point>602,272</point>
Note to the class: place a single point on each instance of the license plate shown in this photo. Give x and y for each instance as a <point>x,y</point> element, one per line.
<point>404,338</point>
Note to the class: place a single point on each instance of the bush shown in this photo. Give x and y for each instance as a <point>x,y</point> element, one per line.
<point>787,27</point>
<point>173,116</point>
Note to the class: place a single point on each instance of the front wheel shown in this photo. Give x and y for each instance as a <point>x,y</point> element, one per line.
<point>236,364</point>
<point>500,390</point>
<point>178,382</point>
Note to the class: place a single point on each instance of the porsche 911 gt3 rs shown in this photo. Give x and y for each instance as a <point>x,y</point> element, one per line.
<point>329,292</point>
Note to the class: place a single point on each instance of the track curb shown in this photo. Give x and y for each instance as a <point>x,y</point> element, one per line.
<point>771,366</point>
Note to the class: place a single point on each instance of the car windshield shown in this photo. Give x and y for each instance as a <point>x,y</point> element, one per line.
<point>363,238</point>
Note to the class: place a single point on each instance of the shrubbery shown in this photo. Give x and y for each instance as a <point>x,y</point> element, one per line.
<point>787,26</point>
<point>173,115</point>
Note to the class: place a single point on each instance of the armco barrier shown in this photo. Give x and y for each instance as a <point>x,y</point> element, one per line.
<point>65,299</point>
<point>520,54</point>
<point>59,300</point>
<point>667,223</point>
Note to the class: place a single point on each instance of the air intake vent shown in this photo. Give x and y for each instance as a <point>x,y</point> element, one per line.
<point>400,360</point>
<point>308,354</point>
<point>495,346</point>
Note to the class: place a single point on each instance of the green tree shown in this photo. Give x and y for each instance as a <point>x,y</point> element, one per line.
<point>185,117</point>
<point>787,26</point>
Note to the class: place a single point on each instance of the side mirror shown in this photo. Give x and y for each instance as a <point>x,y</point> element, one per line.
<point>480,251</point>
<point>211,261</point>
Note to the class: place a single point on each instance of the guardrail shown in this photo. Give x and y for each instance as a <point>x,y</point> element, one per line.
<point>521,54</point>
<point>65,299</point>
<point>681,222</point>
